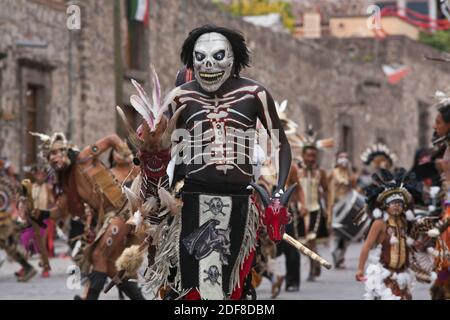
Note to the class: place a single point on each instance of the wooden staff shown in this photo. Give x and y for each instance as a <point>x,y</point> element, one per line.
<point>308,252</point>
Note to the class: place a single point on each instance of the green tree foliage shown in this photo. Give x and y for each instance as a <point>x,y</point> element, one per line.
<point>439,39</point>
<point>260,7</point>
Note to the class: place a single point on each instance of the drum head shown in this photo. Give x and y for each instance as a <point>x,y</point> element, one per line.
<point>4,201</point>
<point>6,192</point>
<point>343,213</point>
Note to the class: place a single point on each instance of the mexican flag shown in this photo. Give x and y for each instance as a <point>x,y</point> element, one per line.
<point>139,10</point>
<point>395,73</point>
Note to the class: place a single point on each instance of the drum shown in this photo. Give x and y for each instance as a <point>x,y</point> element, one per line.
<point>343,213</point>
<point>6,194</point>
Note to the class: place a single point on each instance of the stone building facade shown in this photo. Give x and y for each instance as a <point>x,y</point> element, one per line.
<point>337,85</point>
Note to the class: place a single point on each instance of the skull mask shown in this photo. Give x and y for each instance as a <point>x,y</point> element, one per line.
<point>213,60</point>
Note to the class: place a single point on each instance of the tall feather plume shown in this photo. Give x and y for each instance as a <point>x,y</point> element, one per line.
<point>134,200</point>
<point>166,103</point>
<point>43,137</point>
<point>325,143</point>
<point>377,180</point>
<point>401,176</point>
<point>151,112</point>
<point>169,202</point>
<point>156,89</point>
<point>386,176</point>
<point>142,104</point>
<point>281,107</point>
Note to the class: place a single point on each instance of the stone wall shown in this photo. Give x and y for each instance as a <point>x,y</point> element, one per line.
<point>92,71</point>
<point>31,21</point>
<point>341,78</point>
<point>328,82</point>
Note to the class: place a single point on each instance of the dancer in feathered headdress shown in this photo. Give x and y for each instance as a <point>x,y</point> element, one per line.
<point>343,200</point>
<point>312,223</point>
<point>441,141</point>
<point>8,228</point>
<point>378,156</point>
<point>396,253</point>
<point>86,187</point>
<point>271,253</point>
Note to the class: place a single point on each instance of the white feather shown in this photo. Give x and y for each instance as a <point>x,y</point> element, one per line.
<point>377,214</point>
<point>133,198</point>
<point>169,202</point>
<point>439,94</point>
<point>171,169</point>
<point>410,215</point>
<point>409,241</point>
<point>375,275</point>
<point>156,90</point>
<point>41,136</point>
<point>142,94</point>
<point>144,111</point>
<point>404,280</point>
<point>433,276</point>
<point>135,220</point>
<point>150,206</point>
<point>167,101</point>
<point>283,106</point>
<point>433,251</point>
<point>393,240</point>
<point>433,233</point>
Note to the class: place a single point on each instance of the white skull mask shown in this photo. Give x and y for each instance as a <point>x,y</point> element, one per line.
<point>213,60</point>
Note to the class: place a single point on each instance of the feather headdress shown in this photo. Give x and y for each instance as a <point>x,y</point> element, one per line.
<point>289,126</point>
<point>442,97</point>
<point>377,149</point>
<point>48,142</point>
<point>309,140</point>
<point>387,187</point>
<point>152,113</point>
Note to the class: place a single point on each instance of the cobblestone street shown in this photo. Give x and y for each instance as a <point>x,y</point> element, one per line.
<point>332,285</point>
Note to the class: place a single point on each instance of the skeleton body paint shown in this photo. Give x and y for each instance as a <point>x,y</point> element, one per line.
<point>221,129</point>
<point>215,236</point>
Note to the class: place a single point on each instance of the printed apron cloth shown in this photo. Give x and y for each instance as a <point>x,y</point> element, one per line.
<point>211,237</point>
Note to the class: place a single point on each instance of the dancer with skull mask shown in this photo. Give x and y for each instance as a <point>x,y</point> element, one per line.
<point>218,225</point>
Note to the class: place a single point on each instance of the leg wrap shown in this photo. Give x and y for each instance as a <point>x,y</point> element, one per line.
<point>131,289</point>
<point>97,282</point>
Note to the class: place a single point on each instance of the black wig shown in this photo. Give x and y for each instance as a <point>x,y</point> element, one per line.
<point>444,110</point>
<point>237,41</point>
